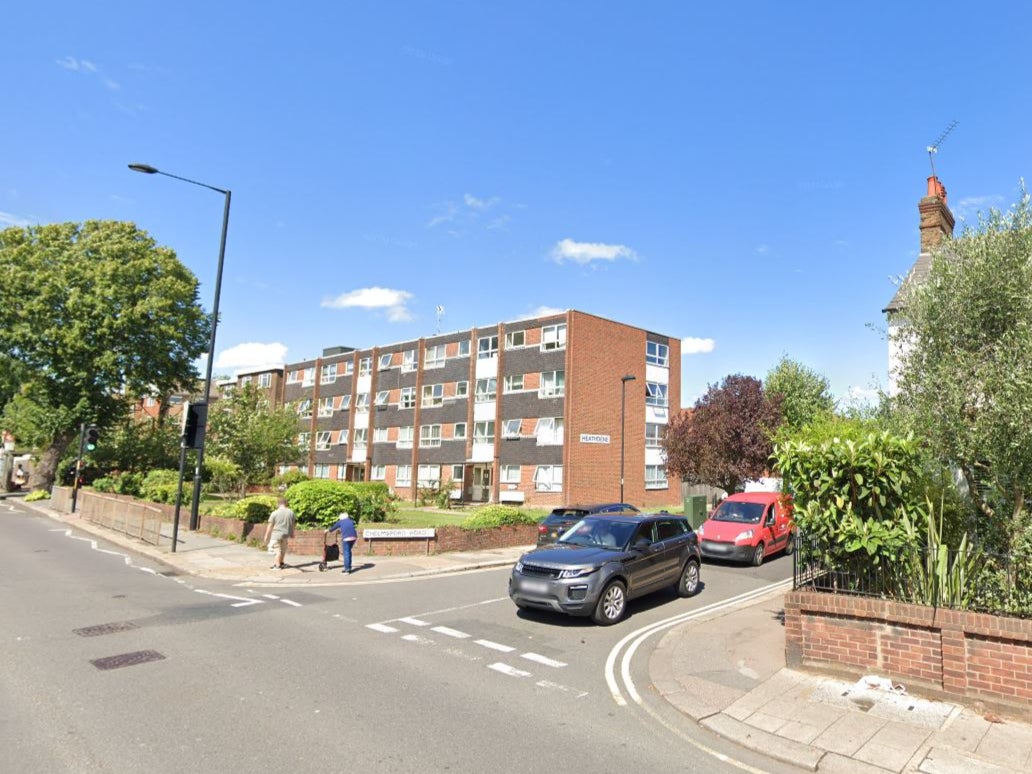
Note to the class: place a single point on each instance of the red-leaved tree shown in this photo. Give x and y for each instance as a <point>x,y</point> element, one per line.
<point>725,438</point>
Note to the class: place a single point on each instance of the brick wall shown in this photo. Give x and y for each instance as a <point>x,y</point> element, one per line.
<point>953,652</point>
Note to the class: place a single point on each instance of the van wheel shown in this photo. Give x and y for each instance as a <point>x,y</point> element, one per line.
<point>612,604</point>
<point>790,545</point>
<point>688,586</point>
<point>757,557</point>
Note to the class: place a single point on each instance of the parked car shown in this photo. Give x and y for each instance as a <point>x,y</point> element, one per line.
<point>748,527</point>
<point>604,560</point>
<point>561,519</point>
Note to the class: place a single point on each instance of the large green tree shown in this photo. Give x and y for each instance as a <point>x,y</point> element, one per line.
<point>91,313</point>
<point>966,379</point>
<point>724,439</point>
<point>805,394</point>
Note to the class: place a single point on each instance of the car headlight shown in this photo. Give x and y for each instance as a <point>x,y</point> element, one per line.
<point>743,536</point>
<point>699,530</point>
<point>519,566</point>
<point>580,572</point>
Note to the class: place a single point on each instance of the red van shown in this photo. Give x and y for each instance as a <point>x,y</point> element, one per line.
<point>748,526</point>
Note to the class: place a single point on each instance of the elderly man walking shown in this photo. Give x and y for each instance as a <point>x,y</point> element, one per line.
<point>279,529</point>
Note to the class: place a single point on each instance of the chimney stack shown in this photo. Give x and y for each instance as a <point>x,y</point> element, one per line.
<point>936,218</point>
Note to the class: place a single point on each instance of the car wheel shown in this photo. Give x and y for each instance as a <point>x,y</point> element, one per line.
<point>688,586</point>
<point>757,557</point>
<point>790,545</point>
<point>612,604</point>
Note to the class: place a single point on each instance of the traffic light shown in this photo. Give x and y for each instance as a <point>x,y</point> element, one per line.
<point>92,437</point>
<point>195,417</point>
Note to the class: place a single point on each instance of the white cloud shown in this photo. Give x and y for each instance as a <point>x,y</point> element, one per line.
<point>542,311</point>
<point>449,211</point>
<point>112,84</point>
<point>466,212</point>
<point>690,345</point>
<point>393,301</point>
<point>761,249</point>
<point>970,206</point>
<point>479,204</point>
<point>10,219</point>
<point>498,223</point>
<point>252,355</point>
<point>586,252</point>
<point>863,394</point>
<point>76,65</point>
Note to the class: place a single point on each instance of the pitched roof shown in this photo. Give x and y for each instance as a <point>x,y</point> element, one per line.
<point>918,273</point>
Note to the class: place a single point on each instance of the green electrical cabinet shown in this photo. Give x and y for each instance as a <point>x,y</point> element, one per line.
<point>695,510</point>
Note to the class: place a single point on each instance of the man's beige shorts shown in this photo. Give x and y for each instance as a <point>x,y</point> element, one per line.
<point>278,544</point>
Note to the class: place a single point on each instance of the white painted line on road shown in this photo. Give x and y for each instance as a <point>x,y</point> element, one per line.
<point>270,596</point>
<point>505,669</point>
<point>563,688</point>
<point>381,628</point>
<point>419,640</point>
<point>461,654</point>
<point>290,602</point>
<point>114,553</point>
<point>461,607</point>
<point>147,569</point>
<point>494,646</point>
<point>414,621</point>
<point>241,601</point>
<point>537,657</point>
<point>450,632</point>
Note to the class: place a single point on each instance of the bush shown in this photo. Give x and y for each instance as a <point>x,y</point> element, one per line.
<point>491,516</point>
<point>288,479</point>
<point>104,484</point>
<point>224,475</point>
<point>128,484</point>
<point>37,494</point>
<point>254,509</point>
<point>321,501</point>
<point>160,486</point>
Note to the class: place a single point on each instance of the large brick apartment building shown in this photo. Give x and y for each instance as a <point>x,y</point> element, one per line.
<point>526,411</point>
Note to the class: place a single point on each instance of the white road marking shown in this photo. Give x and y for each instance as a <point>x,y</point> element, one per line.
<point>147,569</point>
<point>290,602</point>
<point>505,669</point>
<point>241,601</point>
<point>417,639</point>
<point>381,628</point>
<point>450,632</point>
<point>270,596</point>
<point>494,646</point>
<point>563,688</point>
<point>414,621</point>
<point>537,657</point>
<point>461,607</point>
<point>461,654</point>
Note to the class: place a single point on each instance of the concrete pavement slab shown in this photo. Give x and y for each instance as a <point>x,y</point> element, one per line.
<point>1008,744</point>
<point>942,760</point>
<point>833,763</point>
<point>808,721</point>
<point>802,755</point>
<point>849,733</point>
<point>963,732</point>
<point>893,745</point>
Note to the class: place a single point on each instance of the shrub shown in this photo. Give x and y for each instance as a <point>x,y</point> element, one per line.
<point>288,479</point>
<point>160,486</point>
<point>254,509</point>
<point>37,494</point>
<point>321,502</point>
<point>491,516</point>
<point>128,484</point>
<point>224,475</point>
<point>103,484</point>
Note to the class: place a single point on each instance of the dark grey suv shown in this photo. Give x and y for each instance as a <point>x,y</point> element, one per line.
<point>605,560</point>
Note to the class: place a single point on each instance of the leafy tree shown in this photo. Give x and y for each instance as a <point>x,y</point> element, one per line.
<point>724,439</point>
<point>139,445</point>
<point>806,394</point>
<point>246,431</point>
<point>965,383</point>
<point>89,313</point>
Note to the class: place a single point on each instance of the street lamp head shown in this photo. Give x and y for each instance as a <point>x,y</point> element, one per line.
<point>145,168</point>
<point>628,378</point>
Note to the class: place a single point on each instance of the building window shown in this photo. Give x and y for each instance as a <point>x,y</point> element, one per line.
<point>428,476</point>
<point>483,432</point>
<point>403,476</point>
<point>382,397</point>
<point>548,478</point>
<point>655,394</point>
<point>459,431</point>
<point>513,383</point>
<point>385,361</point>
<point>244,381</point>
<point>487,389</point>
<point>463,348</point>
<point>553,337</point>
<point>326,407</point>
<point>408,397</point>
<point>433,395</point>
<point>434,357</point>
<point>349,367</point>
<point>515,339</point>
<point>653,435</point>
<point>293,377</point>
<point>461,389</point>
<point>361,438</point>
<point>308,377</point>
<point>345,402</point>
<point>362,402</point>
<point>657,354</point>
<point>264,380</point>
<point>408,360</point>
<point>329,374</point>
<point>322,440</point>
<point>511,428</point>
<point>378,473</point>
<point>487,346</point>
<point>365,366</point>
<point>321,471</point>
<point>379,435</point>
<point>405,437</point>
<point>457,473</point>
<point>342,439</point>
<point>304,439</point>
<point>549,431</point>
<point>655,477</point>
<point>429,436</point>
<point>510,474</point>
<point>304,408</point>
<point>553,384</point>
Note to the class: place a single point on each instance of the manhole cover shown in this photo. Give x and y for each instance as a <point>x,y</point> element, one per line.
<point>127,659</point>
<point>108,628</point>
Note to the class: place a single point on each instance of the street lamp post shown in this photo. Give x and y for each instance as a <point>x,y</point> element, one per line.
<point>623,400</point>
<point>149,170</point>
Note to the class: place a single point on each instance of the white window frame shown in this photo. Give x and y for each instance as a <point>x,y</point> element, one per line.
<point>484,432</point>
<point>490,350</point>
<point>403,475</point>
<point>656,394</point>
<point>429,436</point>
<point>322,440</point>
<point>513,383</point>
<point>462,389</point>
<point>265,380</point>
<point>408,398</point>
<point>325,407</point>
<point>463,350</point>
<point>379,435</point>
<point>308,377</point>
<point>244,381</point>
<point>658,478</point>
<point>328,374</point>
<point>360,438</point>
<point>293,377</point>
<point>457,479</point>
<point>548,478</point>
<point>408,361</point>
<point>304,439</point>
<point>553,384</point>
<point>434,357</point>
<point>349,367</point>
<point>382,397</point>
<point>377,472</point>
<point>432,396</point>
<point>510,474</point>
<point>385,361</point>
<point>345,402</point>
<point>487,390</point>
<point>511,428</point>
<point>405,436</point>
<point>657,354</point>
<point>304,408</point>
<point>428,475</point>
<point>365,366</point>
<point>457,434</point>
<point>549,431</point>
<point>515,339</point>
<point>653,435</point>
<point>321,470</point>
<point>362,402</point>
<point>553,337</point>
<point>342,437</point>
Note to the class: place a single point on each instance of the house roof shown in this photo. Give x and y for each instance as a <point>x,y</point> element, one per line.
<point>918,273</point>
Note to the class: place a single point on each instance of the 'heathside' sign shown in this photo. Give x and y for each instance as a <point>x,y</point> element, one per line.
<point>593,438</point>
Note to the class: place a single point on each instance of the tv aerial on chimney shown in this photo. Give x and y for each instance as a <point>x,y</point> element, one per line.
<point>934,147</point>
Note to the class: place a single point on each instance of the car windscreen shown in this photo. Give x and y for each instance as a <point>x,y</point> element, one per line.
<point>742,513</point>
<point>602,533</point>
<point>565,514</point>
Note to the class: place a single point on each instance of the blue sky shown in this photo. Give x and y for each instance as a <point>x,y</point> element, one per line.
<point>744,176</point>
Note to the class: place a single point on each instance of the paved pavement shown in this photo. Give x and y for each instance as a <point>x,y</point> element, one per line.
<point>726,673</point>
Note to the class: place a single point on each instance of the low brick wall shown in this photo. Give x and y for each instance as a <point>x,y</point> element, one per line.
<point>956,653</point>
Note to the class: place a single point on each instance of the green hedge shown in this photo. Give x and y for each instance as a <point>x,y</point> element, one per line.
<point>254,509</point>
<point>490,516</point>
<point>322,502</point>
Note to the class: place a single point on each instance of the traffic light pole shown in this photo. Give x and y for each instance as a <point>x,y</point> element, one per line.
<point>78,466</point>
<point>179,492</point>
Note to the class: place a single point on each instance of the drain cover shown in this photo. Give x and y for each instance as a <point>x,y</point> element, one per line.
<point>108,628</point>
<point>127,659</point>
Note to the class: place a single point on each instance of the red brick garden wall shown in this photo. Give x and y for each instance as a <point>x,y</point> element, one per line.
<point>955,652</point>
